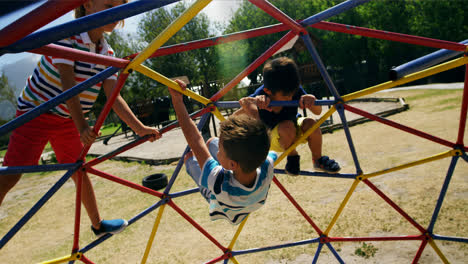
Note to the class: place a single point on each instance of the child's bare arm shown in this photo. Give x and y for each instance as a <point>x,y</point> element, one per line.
<point>122,109</point>
<point>191,133</point>
<point>308,101</point>
<point>250,105</point>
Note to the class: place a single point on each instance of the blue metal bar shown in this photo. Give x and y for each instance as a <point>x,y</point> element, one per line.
<point>183,193</point>
<point>335,253</point>
<point>423,62</point>
<point>130,222</point>
<point>36,168</point>
<point>340,109</point>
<point>340,8</point>
<point>321,174</point>
<point>200,125</point>
<point>254,250</point>
<point>317,253</point>
<point>43,108</point>
<point>37,206</point>
<point>83,24</point>
<point>447,238</point>
<point>321,67</point>
<point>443,191</point>
<point>235,104</point>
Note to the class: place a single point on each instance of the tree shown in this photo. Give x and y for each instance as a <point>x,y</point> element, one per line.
<point>7,92</point>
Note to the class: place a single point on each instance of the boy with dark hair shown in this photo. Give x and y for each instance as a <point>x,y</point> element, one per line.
<point>237,166</point>
<point>282,83</point>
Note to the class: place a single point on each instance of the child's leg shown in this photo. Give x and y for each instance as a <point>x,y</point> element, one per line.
<point>287,135</point>
<point>67,146</point>
<point>314,140</point>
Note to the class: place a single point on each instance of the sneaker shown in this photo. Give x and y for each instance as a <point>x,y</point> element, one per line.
<point>327,165</point>
<point>293,165</point>
<point>114,226</point>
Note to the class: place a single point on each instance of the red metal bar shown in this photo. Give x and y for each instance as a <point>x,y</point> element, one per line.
<point>105,111</point>
<point>464,108</point>
<point>218,259</point>
<point>299,208</point>
<point>399,126</point>
<point>75,54</point>
<point>380,34</point>
<point>360,239</point>
<point>36,19</point>
<point>86,260</point>
<point>124,182</point>
<point>196,225</point>
<point>420,251</point>
<point>392,204</point>
<point>76,235</point>
<point>259,61</point>
<point>278,15</point>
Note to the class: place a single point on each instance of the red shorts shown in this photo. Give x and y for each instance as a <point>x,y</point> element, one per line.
<point>28,141</point>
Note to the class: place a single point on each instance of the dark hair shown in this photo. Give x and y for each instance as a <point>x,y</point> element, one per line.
<point>245,140</point>
<point>281,75</point>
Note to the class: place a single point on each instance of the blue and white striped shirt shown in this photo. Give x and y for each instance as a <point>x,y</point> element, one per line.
<point>230,199</point>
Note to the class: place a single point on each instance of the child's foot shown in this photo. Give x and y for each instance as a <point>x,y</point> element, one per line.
<point>113,226</point>
<point>327,165</point>
<point>293,165</point>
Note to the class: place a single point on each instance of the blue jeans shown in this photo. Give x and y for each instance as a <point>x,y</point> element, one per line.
<point>193,168</point>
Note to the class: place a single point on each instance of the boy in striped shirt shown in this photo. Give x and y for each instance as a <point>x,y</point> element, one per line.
<point>237,166</point>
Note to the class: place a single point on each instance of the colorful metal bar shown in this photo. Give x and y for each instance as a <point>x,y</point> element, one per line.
<point>306,134</point>
<point>196,225</point>
<point>424,62</point>
<point>395,206</point>
<point>389,238</point>
<point>463,111</point>
<point>43,108</point>
<point>321,174</point>
<point>286,245</point>
<point>183,193</point>
<point>235,104</point>
<point>83,24</point>
<point>320,66</point>
<point>71,257</point>
<point>344,122</point>
<point>342,205</point>
<point>106,110</point>
<point>278,15</point>
<point>317,253</point>
<point>79,55</point>
<point>37,168</point>
<point>170,83</point>
<point>408,78</point>
<point>238,231</point>
<point>398,126</point>
<point>443,191</point>
<point>259,61</point>
<point>298,207</point>
<point>167,33</point>
<point>438,251</point>
<point>419,252</point>
<point>387,35</point>
<point>453,239</point>
<point>333,11</point>
<point>35,208</point>
<point>337,256</point>
<point>37,18</point>
<point>124,182</point>
<point>153,234</point>
<point>442,155</point>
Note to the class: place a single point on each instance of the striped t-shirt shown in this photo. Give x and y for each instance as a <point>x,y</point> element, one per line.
<point>230,199</point>
<point>44,84</point>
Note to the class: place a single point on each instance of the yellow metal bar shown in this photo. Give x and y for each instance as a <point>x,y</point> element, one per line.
<point>409,78</point>
<point>236,235</point>
<point>74,256</point>
<point>411,164</point>
<point>234,260</point>
<point>153,233</point>
<point>167,33</point>
<point>306,134</point>
<point>343,204</point>
<point>170,83</point>
<point>437,250</point>
<point>218,114</point>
